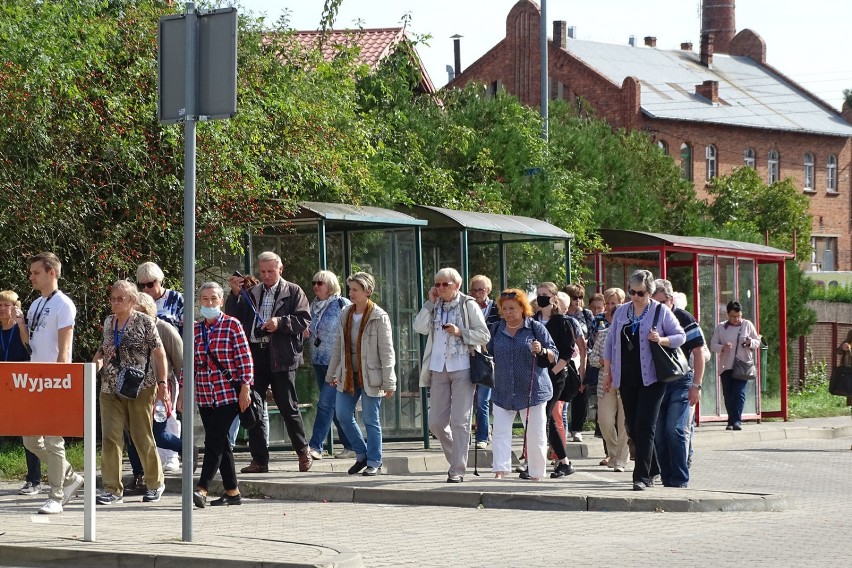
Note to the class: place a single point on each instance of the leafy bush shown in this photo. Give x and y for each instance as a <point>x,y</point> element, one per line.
<point>842,294</point>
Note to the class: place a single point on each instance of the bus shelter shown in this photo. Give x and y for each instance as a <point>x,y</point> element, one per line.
<point>712,272</point>
<point>344,239</point>
<point>513,251</point>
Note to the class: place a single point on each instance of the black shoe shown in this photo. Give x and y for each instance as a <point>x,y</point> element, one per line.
<point>562,470</point>
<point>359,465</point>
<point>200,499</point>
<point>227,500</point>
<point>737,427</point>
<point>729,427</point>
<point>525,474</point>
<point>454,478</point>
<point>639,486</point>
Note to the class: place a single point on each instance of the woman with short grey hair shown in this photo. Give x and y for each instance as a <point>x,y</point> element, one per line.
<point>629,367</point>
<point>454,324</point>
<point>149,278</point>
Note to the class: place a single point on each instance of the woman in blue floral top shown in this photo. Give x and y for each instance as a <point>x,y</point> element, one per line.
<point>325,318</point>
<point>522,350</point>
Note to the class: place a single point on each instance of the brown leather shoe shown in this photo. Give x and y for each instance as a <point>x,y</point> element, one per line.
<point>137,486</point>
<point>255,467</point>
<point>305,460</point>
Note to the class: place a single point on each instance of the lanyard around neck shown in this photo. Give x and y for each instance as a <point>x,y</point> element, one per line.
<point>7,347</point>
<point>37,319</point>
<point>116,333</point>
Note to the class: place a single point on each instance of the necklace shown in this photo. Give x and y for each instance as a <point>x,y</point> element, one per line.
<point>514,326</point>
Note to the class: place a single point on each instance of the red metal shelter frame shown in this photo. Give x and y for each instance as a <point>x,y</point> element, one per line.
<point>626,242</point>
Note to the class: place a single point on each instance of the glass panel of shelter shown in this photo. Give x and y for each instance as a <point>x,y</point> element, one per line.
<point>747,298</point>
<point>710,393</point>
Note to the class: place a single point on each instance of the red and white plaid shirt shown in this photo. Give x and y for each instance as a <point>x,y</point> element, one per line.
<point>227,340</point>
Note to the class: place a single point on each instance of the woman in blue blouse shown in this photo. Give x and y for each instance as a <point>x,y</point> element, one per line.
<point>629,367</point>
<point>522,350</point>
<point>325,318</point>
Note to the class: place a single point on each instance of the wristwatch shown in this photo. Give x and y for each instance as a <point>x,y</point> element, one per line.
<point>695,386</point>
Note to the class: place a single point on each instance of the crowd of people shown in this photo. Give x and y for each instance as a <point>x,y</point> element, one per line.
<point>550,352</point>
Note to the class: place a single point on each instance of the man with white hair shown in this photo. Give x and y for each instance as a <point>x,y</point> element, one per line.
<point>275,313</point>
<point>672,437</point>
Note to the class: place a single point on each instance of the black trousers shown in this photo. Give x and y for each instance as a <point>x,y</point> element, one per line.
<point>641,409</point>
<point>580,409</point>
<point>284,392</point>
<point>553,437</point>
<point>217,450</point>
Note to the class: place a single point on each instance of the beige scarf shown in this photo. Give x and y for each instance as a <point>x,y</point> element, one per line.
<point>349,382</point>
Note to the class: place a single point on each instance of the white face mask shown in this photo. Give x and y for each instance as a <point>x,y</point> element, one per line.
<point>210,312</point>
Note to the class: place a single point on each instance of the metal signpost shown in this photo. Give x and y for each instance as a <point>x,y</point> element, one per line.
<point>197,81</point>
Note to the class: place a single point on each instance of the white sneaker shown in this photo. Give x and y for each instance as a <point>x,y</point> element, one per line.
<point>344,454</point>
<point>316,454</point>
<point>70,490</point>
<point>619,468</point>
<point>481,445</point>
<point>172,465</point>
<point>153,495</point>
<point>51,507</point>
<point>578,437</point>
<point>30,489</point>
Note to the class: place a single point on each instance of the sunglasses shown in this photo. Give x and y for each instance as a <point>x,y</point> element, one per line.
<point>509,295</point>
<point>146,285</point>
<point>117,299</point>
<point>317,283</point>
<point>477,289</point>
<point>443,284</point>
<point>640,293</point>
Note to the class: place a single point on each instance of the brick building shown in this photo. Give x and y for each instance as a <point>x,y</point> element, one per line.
<point>712,110</point>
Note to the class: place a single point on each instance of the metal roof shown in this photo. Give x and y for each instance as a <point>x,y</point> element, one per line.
<point>750,94</point>
<point>511,227</point>
<point>618,238</point>
<point>339,216</point>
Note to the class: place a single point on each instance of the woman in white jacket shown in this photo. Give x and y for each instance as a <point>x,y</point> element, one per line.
<point>737,337</point>
<point>453,324</point>
<point>362,367</point>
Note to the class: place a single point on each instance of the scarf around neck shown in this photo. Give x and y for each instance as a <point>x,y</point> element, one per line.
<point>349,381</point>
<point>449,312</point>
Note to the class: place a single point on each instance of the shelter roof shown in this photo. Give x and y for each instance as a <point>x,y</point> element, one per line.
<point>619,238</point>
<point>510,227</point>
<point>339,216</point>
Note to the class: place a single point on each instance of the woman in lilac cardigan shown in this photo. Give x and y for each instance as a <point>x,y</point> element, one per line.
<point>629,367</point>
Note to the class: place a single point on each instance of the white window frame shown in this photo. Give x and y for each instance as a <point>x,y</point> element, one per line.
<point>808,171</point>
<point>710,161</point>
<point>831,173</point>
<point>774,170</point>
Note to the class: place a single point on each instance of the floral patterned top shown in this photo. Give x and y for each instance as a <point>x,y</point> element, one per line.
<point>135,342</point>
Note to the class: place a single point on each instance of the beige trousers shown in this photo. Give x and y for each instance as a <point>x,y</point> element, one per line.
<point>611,422</point>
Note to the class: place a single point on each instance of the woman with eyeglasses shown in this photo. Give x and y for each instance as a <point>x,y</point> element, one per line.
<point>734,339</point>
<point>629,367</point>
<point>326,308</point>
<point>149,278</point>
<point>453,325</point>
<point>523,350</point>
<point>130,341</point>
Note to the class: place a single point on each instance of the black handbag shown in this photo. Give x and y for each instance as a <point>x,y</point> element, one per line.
<point>481,369</point>
<point>129,382</point>
<point>572,382</point>
<point>251,416</point>
<point>841,381</point>
<point>670,363</point>
<point>743,370</point>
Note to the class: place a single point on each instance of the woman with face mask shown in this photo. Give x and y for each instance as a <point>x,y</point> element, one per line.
<point>562,332</point>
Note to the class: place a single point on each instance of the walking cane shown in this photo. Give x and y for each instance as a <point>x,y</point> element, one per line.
<point>472,436</point>
<point>529,402</point>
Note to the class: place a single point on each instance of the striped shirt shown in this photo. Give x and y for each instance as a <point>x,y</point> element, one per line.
<point>227,341</point>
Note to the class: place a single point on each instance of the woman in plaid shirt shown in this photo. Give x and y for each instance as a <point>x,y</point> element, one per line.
<point>222,360</point>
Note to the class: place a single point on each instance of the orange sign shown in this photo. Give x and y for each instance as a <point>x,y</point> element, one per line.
<point>41,399</point>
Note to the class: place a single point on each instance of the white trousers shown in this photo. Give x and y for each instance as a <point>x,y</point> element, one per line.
<point>501,444</point>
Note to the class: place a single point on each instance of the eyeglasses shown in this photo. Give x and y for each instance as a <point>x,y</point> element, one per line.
<point>509,295</point>
<point>640,293</point>
<point>477,289</point>
<point>147,284</point>
<point>443,284</point>
<point>115,299</point>
<point>317,283</point>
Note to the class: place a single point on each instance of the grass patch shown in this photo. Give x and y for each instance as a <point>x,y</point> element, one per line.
<point>13,462</point>
<point>813,400</point>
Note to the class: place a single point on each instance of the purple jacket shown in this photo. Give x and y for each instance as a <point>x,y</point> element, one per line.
<point>667,326</point>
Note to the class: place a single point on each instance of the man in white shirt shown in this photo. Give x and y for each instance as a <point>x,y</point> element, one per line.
<point>50,322</point>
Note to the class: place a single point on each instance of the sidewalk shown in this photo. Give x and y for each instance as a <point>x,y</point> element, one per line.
<point>141,534</point>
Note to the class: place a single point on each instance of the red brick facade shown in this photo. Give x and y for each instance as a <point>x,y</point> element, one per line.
<point>514,63</point>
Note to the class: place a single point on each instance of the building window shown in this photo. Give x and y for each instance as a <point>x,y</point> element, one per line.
<point>663,146</point>
<point>710,161</point>
<point>809,171</point>
<point>749,158</point>
<point>824,253</point>
<point>773,166</point>
<point>686,161</point>
<point>831,173</point>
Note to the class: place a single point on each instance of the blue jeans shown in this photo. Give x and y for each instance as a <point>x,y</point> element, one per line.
<point>163,439</point>
<point>483,398</point>
<point>325,412</point>
<point>672,437</point>
<point>370,407</point>
<point>734,393</point>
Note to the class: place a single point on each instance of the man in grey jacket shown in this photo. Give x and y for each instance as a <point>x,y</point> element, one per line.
<point>275,313</point>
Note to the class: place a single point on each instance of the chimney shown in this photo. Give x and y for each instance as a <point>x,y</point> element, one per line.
<point>456,54</point>
<point>709,90</point>
<point>560,33</point>
<point>650,41</point>
<point>632,41</point>
<point>572,32</point>
<point>706,54</point>
<point>718,18</point>
<point>686,46</point>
